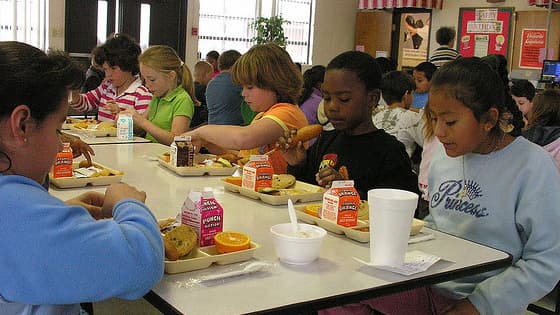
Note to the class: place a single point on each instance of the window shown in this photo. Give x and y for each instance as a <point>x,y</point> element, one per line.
<point>24,21</point>
<point>224,25</point>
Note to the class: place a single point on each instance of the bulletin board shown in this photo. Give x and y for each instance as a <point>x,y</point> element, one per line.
<point>484,31</point>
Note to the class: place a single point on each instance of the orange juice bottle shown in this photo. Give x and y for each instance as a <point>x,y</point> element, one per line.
<point>63,164</point>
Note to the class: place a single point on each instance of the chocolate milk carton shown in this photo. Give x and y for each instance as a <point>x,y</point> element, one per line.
<point>204,214</point>
<point>182,152</point>
<point>257,173</point>
<point>341,203</point>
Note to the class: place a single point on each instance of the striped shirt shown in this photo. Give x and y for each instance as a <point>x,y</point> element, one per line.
<point>136,97</point>
<point>443,55</point>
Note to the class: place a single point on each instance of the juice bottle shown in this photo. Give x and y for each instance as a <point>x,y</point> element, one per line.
<point>63,164</point>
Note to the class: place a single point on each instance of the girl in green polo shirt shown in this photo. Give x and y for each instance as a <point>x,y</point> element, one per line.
<point>172,107</point>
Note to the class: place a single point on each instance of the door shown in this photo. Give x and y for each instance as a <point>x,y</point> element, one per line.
<point>166,23</point>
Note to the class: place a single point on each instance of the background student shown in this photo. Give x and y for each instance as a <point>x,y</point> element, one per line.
<point>445,37</point>
<point>56,254</point>
<point>202,74</point>
<point>422,74</point>
<point>271,87</point>
<point>311,94</point>
<point>397,88</point>
<point>172,106</point>
<point>543,127</point>
<point>522,92</point>
<point>223,97</point>
<point>122,87</point>
<point>373,158</point>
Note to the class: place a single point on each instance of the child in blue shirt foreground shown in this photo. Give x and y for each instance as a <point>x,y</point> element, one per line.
<point>56,254</point>
<point>490,187</point>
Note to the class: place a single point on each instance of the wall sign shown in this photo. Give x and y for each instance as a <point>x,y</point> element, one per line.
<point>533,45</point>
<point>484,31</point>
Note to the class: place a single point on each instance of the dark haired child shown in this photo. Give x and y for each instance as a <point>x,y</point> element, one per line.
<point>491,187</point>
<point>522,92</point>
<point>422,74</point>
<point>311,95</point>
<point>397,88</point>
<point>445,37</point>
<point>373,158</point>
<point>70,256</point>
<point>122,87</point>
<point>543,127</point>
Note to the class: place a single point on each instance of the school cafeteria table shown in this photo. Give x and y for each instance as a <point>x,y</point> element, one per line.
<point>334,279</point>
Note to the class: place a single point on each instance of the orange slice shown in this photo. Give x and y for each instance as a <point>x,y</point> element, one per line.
<point>234,180</point>
<point>227,242</point>
<point>313,209</point>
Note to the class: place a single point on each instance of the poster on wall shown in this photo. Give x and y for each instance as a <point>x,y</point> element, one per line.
<point>533,44</point>
<point>414,38</point>
<point>484,31</point>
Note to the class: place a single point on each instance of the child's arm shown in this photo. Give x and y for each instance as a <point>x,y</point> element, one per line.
<point>260,132</point>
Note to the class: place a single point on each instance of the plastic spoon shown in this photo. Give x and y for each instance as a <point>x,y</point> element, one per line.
<point>293,217</point>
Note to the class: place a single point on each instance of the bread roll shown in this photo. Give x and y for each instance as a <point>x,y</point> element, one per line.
<point>179,241</point>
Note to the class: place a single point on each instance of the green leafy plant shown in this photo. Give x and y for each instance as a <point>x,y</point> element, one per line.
<point>270,30</point>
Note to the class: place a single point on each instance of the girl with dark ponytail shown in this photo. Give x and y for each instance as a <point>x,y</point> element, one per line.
<point>311,95</point>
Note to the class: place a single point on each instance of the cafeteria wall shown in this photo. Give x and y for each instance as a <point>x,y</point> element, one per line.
<point>334,25</point>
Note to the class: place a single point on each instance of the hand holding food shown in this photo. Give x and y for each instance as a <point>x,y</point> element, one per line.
<point>91,200</point>
<point>327,175</point>
<point>113,107</point>
<point>117,192</point>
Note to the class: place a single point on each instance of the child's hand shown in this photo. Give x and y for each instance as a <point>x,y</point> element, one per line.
<point>293,154</point>
<point>117,192</point>
<point>327,175</point>
<point>81,148</point>
<point>113,107</point>
<point>196,140</point>
<point>91,200</point>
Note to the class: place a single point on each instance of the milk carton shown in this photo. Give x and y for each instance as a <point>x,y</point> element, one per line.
<point>125,127</point>
<point>341,203</point>
<point>182,152</point>
<point>204,214</point>
<point>257,173</point>
<point>63,163</point>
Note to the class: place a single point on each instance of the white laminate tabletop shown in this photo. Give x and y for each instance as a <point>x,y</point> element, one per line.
<point>334,275</point>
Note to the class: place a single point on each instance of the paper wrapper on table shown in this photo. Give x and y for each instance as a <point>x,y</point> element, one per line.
<point>204,214</point>
<point>257,173</point>
<point>390,217</point>
<point>341,203</point>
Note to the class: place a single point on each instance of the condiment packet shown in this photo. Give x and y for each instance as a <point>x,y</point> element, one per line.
<point>414,262</point>
<point>83,172</point>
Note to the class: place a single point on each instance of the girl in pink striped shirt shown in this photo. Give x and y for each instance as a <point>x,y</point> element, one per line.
<point>122,87</point>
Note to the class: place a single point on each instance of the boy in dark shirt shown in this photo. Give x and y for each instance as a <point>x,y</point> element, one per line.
<point>373,158</point>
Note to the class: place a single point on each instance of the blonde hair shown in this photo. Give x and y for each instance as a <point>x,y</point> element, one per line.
<point>165,59</point>
<point>202,68</point>
<point>428,128</point>
<point>269,67</point>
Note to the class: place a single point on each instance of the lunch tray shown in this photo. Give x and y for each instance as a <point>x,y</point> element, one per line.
<point>204,257</point>
<point>315,193</point>
<point>91,132</point>
<point>198,170</point>
<point>351,232</point>
<point>72,182</point>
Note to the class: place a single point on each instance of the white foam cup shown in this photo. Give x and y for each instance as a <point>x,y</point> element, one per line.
<point>390,217</point>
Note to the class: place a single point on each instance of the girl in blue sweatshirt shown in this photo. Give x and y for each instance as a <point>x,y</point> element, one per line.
<point>491,186</point>
<point>57,254</point>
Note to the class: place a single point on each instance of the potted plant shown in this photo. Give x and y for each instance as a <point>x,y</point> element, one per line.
<point>269,30</point>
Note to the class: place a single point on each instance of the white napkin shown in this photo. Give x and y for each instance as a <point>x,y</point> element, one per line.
<point>414,262</point>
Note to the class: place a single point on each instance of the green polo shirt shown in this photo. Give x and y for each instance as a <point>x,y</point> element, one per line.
<point>162,110</point>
